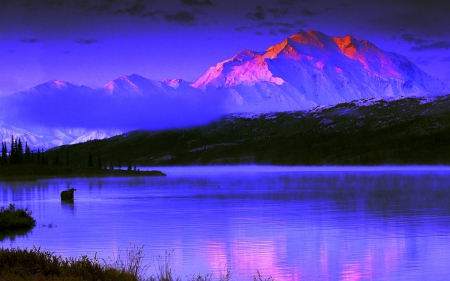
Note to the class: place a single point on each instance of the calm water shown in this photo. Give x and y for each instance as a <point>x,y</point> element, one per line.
<point>291,223</point>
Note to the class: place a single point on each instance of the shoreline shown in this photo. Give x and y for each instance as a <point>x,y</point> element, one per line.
<point>32,172</point>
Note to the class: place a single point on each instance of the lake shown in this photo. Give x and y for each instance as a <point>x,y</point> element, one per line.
<point>291,223</point>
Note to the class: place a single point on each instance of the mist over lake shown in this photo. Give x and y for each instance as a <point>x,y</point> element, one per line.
<point>291,223</point>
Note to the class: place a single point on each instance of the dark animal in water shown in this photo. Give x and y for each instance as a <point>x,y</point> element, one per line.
<point>67,194</point>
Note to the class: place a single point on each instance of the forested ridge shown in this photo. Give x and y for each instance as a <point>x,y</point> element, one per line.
<point>363,132</point>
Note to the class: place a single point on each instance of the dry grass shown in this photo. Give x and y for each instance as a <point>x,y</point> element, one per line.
<point>126,265</point>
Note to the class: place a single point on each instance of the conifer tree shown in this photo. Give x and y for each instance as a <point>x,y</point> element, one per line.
<point>90,162</point>
<point>27,153</point>
<point>4,153</point>
<point>38,160</point>
<point>12,153</point>
<point>19,151</point>
<point>67,158</point>
<point>99,163</point>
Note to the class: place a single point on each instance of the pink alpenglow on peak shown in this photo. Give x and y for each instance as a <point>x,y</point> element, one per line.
<point>246,67</point>
<point>312,68</point>
<point>59,84</point>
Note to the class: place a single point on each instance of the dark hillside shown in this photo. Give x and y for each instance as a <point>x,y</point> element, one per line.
<point>365,132</point>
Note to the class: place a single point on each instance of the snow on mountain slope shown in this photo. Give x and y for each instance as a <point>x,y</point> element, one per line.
<point>135,86</point>
<point>312,68</point>
<point>44,138</point>
<point>306,70</point>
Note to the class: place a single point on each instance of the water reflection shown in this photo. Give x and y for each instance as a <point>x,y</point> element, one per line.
<point>292,225</point>
<point>68,204</point>
<point>11,235</point>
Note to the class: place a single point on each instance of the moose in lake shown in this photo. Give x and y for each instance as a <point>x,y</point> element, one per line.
<point>67,194</point>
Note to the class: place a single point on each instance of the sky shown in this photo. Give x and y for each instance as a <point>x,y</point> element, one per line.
<point>93,42</point>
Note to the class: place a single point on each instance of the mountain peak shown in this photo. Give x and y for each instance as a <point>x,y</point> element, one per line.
<point>124,83</point>
<point>321,69</point>
<point>57,83</point>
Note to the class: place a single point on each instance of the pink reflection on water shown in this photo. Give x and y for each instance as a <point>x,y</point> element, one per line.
<point>256,253</point>
<point>216,256</point>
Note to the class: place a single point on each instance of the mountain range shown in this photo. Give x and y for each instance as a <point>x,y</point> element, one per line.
<point>306,70</point>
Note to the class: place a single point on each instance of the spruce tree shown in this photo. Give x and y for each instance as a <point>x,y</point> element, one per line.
<point>12,154</point>
<point>19,151</point>
<point>90,162</point>
<point>27,153</point>
<point>67,158</point>
<point>4,153</point>
<point>99,163</point>
<point>38,160</point>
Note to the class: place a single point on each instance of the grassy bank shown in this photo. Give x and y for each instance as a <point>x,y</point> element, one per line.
<point>22,264</point>
<point>12,219</point>
<point>15,222</point>
<point>29,172</point>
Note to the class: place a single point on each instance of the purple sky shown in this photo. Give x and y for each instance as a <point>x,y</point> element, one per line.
<point>92,42</point>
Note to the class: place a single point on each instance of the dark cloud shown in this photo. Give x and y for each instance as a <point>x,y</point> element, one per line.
<point>412,39</point>
<point>441,45</point>
<point>286,1</point>
<point>283,24</point>
<point>197,3</point>
<point>258,15</point>
<point>132,8</point>
<point>284,31</point>
<point>309,13</point>
<point>29,40</point>
<point>243,28</point>
<point>277,11</point>
<point>182,17</point>
<point>272,27</point>
<point>429,18</point>
<point>86,41</point>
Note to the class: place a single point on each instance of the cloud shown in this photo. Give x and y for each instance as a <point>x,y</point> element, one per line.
<point>197,3</point>
<point>243,28</point>
<point>272,28</point>
<point>286,1</point>
<point>277,11</point>
<point>182,17</point>
<point>283,24</point>
<point>86,41</point>
<point>258,15</point>
<point>29,40</point>
<point>412,39</point>
<point>132,8</point>
<point>441,45</point>
<point>309,13</point>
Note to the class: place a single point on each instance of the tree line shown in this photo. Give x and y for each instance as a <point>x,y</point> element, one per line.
<point>18,154</point>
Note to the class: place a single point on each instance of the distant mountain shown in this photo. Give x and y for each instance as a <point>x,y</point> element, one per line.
<point>306,70</point>
<point>394,130</point>
<point>311,68</point>
<point>41,137</point>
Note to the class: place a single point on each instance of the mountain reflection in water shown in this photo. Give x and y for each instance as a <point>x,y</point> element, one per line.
<point>293,223</point>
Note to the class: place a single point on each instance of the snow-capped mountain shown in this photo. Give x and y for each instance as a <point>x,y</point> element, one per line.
<point>306,70</point>
<point>311,68</point>
<point>42,137</point>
